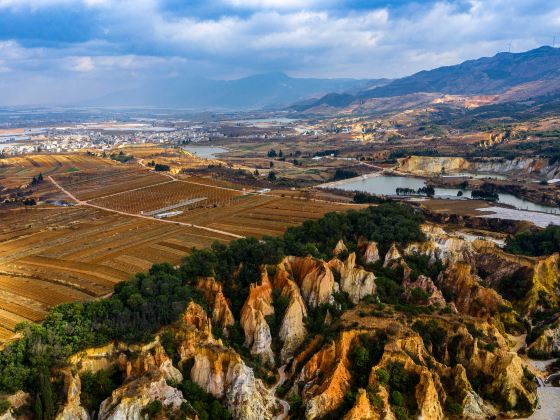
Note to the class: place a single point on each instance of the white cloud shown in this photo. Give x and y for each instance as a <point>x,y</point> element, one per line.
<point>83,64</point>
<point>277,4</point>
<point>44,4</point>
<point>304,38</point>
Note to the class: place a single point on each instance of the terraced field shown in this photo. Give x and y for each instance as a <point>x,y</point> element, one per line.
<point>155,197</point>
<point>108,181</point>
<point>50,255</point>
<point>16,171</point>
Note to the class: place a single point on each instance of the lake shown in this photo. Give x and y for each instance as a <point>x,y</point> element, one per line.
<point>387,185</point>
<point>205,152</point>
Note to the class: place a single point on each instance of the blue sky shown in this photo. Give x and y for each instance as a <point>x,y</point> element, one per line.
<point>65,51</point>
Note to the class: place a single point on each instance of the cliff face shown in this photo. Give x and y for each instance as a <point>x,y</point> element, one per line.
<point>326,377</point>
<point>528,280</point>
<point>219,370</point>
<point>72,409</point>
<point>428,165</point>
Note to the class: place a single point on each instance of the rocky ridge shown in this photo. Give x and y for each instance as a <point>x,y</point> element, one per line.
<point>453,352</point>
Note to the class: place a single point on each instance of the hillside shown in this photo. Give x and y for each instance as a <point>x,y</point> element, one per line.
<point>513,76</point>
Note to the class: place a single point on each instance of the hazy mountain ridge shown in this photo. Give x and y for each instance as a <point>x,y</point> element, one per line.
<point>258,91</point>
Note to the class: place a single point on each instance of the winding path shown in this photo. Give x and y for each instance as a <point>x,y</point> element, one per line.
<point>285,405</point>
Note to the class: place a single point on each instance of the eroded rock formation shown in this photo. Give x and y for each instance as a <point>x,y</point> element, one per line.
<point>314,278</point>
<point>220,371</point>
<point>221,312</point>
<point>253,319</point>
<point>326,377</point>
<point>128,401</point>
<point>425,284</point>
<point>72,409</point>
<point>392,256</point>
<point>369,251</point>
<point>292,329</point>
<point>441,246</point>
<point>357,282</point>
<point>468,295</point>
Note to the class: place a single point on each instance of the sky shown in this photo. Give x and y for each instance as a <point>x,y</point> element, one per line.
<point>57,52</point>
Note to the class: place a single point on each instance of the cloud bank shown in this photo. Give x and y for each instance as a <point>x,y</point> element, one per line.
<point>66,51</point>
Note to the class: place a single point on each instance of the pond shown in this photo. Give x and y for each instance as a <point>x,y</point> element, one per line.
<point>205,152</point>
<point>387,185</point>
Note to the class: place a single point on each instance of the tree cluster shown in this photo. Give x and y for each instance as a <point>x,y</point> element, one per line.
<point>543,242</point>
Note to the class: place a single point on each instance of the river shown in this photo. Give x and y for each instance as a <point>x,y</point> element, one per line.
<point>387,185</point>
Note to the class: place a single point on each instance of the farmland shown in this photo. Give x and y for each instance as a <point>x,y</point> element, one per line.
<point>52,254</point>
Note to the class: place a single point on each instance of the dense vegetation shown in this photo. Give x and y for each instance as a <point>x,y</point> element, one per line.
<point>205,405</point>
<point>341,174</point>
<point>427,191</point>
<point>544,242</point>
<point>139,307</point>
<point>366,198</point>
<point>121,157</point>
<point>484,195</point>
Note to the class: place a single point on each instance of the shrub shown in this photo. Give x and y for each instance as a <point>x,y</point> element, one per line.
<point>453,408</point>
<point>382,376</point>
<point>397,398</point>
<point>152,409</point>
<point>4,406</point>
<point>161,168</point>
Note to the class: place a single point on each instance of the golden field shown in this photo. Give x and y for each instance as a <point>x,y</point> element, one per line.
<point>52,254</point>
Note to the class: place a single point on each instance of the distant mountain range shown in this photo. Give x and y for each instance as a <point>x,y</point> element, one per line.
<point>510,76</point>
<point>513,75</point>
<point>254,92</point>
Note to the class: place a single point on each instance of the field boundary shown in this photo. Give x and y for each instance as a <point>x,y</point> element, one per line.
<point>85,203</point>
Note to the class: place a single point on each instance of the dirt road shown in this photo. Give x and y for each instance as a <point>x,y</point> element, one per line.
<point>142,216</point>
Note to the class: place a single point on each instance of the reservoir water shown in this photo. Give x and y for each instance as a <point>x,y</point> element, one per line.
<point>387,185</point>
<point>205,152</point>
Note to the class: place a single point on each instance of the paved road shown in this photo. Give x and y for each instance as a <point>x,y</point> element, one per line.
<point>141,216</point>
